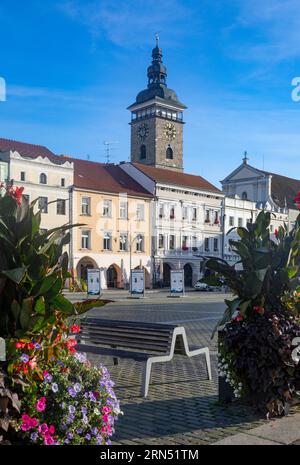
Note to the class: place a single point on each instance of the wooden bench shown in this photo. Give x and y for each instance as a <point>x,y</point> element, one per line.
<point>146,342</point>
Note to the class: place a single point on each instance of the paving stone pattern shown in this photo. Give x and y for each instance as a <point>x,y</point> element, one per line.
<point>181,407</point>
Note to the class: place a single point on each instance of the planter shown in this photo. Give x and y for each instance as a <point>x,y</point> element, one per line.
<point>226,394</point>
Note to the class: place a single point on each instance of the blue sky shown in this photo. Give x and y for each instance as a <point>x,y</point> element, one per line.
<point>72,67</point>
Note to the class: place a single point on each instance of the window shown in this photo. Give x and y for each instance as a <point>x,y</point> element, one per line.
<point>207,216</point>
<point>217,221</point>
<point>216,245</point>
<point>161,211</point>
<point>184,213</point>
<point>43,178</point>
<point>85,239</point>
<point>123,210</point>
<point>161,241</point>
<point>244,196</point>
<point>169,153</point>
<point>194,217</point>
<point>62,182</point>
<point>22,177</point>
<point>194,242</point>
<point>271,228</point>
<point>123,242</point>
<point>106,211</point>
<point>107,241</point>
<point>140,243</point>
<point>231,221</point>
<point>206,244</point>
<point>86,206</point>
<point>140,214</point>
<point>61,207</point>
<point>26,197</point>
<point>172,212</point>
<point>172,242</point>
<point>240,222</point>
<point>184,242</point>
<point>143,152</point>
<point>43,204</point>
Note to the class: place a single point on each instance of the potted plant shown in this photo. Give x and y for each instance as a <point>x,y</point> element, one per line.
<point>260,323</point>
<point>35,322</point>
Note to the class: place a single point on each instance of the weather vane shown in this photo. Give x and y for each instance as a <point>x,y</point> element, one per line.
<point>157,38</point>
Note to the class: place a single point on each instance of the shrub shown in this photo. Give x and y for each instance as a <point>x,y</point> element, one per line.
<point>35,315</point>
<point>255,345</point>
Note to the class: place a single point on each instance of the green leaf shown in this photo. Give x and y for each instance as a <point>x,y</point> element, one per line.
<point>83,307</point>
<point>16,275</point>
<point>40,307</point>
<point>63,305</point>
<point>26,312</point>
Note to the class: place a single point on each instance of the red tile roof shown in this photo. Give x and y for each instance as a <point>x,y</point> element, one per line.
<point>26,150</point>
<point>167,176</point>
<point>105,177</point>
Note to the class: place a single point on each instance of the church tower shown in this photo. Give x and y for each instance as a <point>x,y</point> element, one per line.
<point>157,120</point>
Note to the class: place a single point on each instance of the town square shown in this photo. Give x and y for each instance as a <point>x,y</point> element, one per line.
<point>149,226</point>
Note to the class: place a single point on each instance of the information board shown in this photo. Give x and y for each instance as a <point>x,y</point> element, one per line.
<point>177,282</point>
<point>137,282</point>
<point>93,281</point>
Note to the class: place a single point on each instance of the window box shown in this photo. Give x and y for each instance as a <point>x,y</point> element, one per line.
<point>206,220</point>
<point>172,217</point>
<point>194,249</point>
<point>216,222</point>
<point>184,247</point>
<point>161,216</point>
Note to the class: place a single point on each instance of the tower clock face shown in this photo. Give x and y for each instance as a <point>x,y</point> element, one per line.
<point>143,131</point>
<point>169,131</point>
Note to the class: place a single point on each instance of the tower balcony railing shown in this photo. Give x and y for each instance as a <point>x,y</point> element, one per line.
<point>162,114</point>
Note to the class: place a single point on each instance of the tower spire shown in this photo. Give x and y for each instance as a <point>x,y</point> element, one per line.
<point>245,159</point>
<point>157,72</point>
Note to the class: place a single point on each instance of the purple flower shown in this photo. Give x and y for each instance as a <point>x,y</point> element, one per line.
<point>34,436</point>
<point>95,431</point>
<point>88,437</point>
<point>86,395</point>
<point>79,430</point>
<point>63,427</point>
<point>54,387</point>
<point>72,409</point>
<point>108,442</point>
<point>72,392</point>
<point>92,397</point>
<point>99,440</point>
<point>24,358</point>
<point>70,435</point>
<point>60,363</point>
<point>67,441</point>
<point>77,387</point>
<point>48,378</point>
<point>37,346</point>
<point>84,410</point>
<point>85,419</point>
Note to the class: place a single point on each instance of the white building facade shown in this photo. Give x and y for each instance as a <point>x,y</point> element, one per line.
<point>186,222</point>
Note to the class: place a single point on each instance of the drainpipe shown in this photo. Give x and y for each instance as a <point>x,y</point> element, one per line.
<point>71,253</point>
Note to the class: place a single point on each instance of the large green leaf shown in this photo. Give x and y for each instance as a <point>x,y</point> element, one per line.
<point>16,275</point>
<point>84,306</point>
<point>63,305</point>
<point>26,312</point>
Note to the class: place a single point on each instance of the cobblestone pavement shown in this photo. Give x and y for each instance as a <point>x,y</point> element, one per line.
<point>181,407</point>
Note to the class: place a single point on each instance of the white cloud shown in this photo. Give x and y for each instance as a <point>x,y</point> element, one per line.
<point>128,23</point>
<point>271,30</point>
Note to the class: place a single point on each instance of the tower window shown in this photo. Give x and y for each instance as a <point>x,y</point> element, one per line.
<point>244,196</point>
<point>143,152</point>
<point>169,153</point>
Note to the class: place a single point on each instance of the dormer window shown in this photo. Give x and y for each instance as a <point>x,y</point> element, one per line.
<point>43,178</point>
